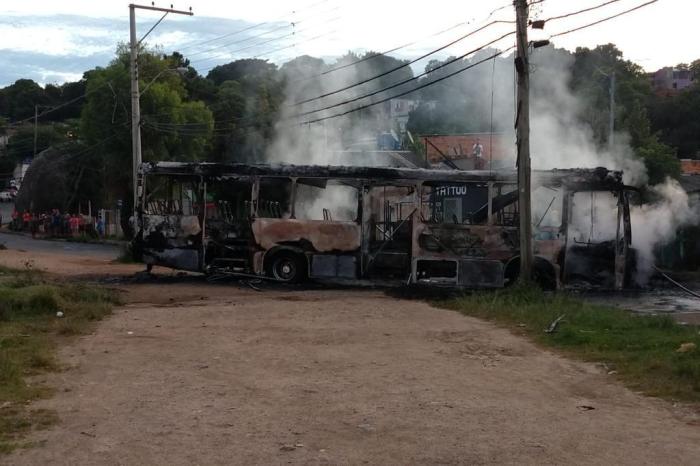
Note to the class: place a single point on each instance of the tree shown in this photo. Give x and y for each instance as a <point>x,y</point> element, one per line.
<point>591,74</point>
<point>20,98</point>
<point>248,72</point>
<point>659,159</point>
<point>246,104</point>
<point>173,128</point>
<point>676,119</point>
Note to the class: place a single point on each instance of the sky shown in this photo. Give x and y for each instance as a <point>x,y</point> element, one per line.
<point>55,42</point>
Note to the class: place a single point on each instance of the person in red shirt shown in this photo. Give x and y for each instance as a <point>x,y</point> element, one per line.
<point>74,222</point>
<point>26,219</point>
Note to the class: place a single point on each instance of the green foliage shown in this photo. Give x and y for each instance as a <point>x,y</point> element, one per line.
<point>642,350</point>
<point>660,160</point>
<point>106,116</point>
<point>17,101</point>
<point>248,72</point>
<point>20,98</point>
<point>21,144</point>
<point>29,328</point>
<point>676,118</point>
<point>249,95</point>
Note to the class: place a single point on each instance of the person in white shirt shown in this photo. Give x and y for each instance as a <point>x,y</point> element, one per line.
<point>478,153</point>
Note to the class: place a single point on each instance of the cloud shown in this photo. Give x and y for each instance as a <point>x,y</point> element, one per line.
<point>59,48</point>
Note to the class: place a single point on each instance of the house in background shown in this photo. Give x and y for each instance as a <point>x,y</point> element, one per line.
<point>497,150</point>
<point>396,112</point>
<point>20,171</point>
<point>690,167</point>
<point>670,81</point>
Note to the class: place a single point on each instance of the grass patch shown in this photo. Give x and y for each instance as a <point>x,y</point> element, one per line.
<point>642,350</point>
<point>29,331</point>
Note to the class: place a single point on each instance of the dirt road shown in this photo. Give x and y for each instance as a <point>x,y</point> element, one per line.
<point>193,373</point>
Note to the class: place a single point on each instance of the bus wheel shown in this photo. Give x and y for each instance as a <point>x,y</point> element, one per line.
<point>542,273</point>
<point>287,267</point>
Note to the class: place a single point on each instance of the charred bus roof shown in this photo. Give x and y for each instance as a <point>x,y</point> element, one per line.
<point>575,179</point>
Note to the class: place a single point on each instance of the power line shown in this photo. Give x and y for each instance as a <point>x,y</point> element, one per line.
<point>461,70</point>
<point>603,20</point>
<point>325,34</point>
<point>404,65</point>
<point>292,24</point>
<point>409,44</point>
<point>422,86</point>
<point>585,10</point>
<point>393,86</point>
<point>58,107</point>
<point>258,36</point>
<point>231,34</point>
<point>433,52</point>
<point>442,78</point>
<point>258,44</point>
<point>406,81</point>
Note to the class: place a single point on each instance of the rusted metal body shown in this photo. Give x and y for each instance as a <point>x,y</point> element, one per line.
<point>436,227</point>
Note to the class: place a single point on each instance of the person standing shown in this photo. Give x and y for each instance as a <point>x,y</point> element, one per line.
<point>26,220</point>
<point>100,226</point>
<point>478,154</point>
<point>74,225</point>
<point>33,224</point>
<point>15,219</point>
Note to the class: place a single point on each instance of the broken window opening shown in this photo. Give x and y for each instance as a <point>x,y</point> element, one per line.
<point>171,196</point>
<point>594,217</point>
<point>391,208</point>
<point>274,198</point>
<point>504,206</point>
<point>328,200</point>
<point>547,206</point>
<point>230,199</point>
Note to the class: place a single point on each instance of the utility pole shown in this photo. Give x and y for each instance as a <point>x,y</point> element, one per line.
<point>36,134</point>
<point>522,125</point>
<point>611,138</point>
<point>135,95</point>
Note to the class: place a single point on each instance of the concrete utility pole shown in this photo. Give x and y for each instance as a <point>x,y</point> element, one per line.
<point>611,138</point>
<point>522,124</point>
<point>36,120</point>
<point>135,95</point>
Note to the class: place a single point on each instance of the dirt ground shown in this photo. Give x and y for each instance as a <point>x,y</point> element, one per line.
<point>194,373</point>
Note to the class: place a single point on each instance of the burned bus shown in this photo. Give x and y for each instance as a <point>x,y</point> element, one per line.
<point>385,225</point>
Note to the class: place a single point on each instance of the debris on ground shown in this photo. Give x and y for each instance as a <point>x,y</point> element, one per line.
<point>686,348</point>
<point>553,326</point>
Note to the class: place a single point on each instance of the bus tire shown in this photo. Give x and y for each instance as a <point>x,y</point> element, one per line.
<point>287,267</point>
<point>542,273</point>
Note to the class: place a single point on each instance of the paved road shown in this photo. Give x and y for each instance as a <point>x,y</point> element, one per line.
<point>98,251</point>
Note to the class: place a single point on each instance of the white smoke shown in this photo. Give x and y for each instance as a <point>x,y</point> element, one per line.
<point>560,139</point>
<point>655,224</point>
<point>326,142</point>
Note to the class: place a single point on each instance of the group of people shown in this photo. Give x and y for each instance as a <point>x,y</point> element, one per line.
<point>56,224</point>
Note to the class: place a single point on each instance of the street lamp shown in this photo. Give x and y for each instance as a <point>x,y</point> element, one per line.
<point>180,70</point>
